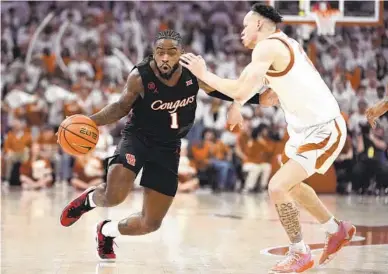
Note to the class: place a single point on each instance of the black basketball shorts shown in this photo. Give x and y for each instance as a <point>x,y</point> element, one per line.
<point>159,163</point>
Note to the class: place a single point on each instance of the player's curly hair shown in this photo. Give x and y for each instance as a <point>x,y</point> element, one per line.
<point>268,12</point>
<point>169,34</point>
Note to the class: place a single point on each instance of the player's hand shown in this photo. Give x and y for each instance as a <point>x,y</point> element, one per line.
<point>194,63</point>
<point>234,116</point>
<point>371,116</point>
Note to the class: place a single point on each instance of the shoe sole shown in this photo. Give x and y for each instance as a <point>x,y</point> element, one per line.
<point>64,210</point>
<point>306,267</point>
<point>351,234</point>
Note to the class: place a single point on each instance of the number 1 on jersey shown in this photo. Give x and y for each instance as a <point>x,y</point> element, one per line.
<point>174,120</point>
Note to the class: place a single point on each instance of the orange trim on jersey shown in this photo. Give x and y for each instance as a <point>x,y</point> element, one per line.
<point>292,60</point>
<point>323,158</point>
<point>284,159</point>
<point>313,146</point>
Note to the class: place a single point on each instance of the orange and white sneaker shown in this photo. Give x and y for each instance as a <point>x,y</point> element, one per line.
<point>294,262</point>
<point>335,242</point>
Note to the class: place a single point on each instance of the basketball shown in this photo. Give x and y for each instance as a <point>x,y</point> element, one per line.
<point>78,135</point>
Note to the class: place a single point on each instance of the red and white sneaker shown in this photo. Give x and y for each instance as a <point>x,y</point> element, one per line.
<point>104,244</point>
<point>76,208</point>
<point>294,262</point>
<point>335,242</point>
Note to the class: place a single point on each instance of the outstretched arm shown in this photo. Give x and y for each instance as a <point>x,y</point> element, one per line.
<point>117,110</point>
<point>255,100</point>
<point>250,79</point>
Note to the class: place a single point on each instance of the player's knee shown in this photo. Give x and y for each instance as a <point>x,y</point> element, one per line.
<point>151,225</point>
<point>114,200</point>
<point>276,189</point>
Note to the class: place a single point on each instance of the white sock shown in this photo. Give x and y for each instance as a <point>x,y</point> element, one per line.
<point>90,199</point>
<point>111,229</point>
<point>330,226</point>
<point>299,247</point>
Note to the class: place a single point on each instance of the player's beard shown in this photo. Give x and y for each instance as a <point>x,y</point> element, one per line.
<point>167,75</point>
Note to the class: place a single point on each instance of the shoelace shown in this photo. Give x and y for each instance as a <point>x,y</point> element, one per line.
<point>77,209</point>
<point>291,257</point>
<point>106,246</point>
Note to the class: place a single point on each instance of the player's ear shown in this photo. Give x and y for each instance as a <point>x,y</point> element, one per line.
<point>259,24</point>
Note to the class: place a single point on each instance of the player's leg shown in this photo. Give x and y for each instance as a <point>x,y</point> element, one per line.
<point>160,188</point>
<point>155,207</point>
<point>290,174</point>
<point>122,170</point>
<point>339,233</point>
<point>120,182</point>
<point>161,183</point>
<point>306,197</point>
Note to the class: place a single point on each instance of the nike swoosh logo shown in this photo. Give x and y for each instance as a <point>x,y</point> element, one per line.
<point>87,147</point>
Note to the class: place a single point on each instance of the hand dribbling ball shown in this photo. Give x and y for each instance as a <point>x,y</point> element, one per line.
<point>78,135</point>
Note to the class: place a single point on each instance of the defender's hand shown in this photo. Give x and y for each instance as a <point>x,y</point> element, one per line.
<point>194,63</point>
<point>234,116</point>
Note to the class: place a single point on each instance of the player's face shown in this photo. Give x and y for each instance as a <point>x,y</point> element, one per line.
<point>166,55</point>
<point>251,27</point>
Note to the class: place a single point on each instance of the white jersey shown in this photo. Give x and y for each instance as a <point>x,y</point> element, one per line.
<point>303,95</point>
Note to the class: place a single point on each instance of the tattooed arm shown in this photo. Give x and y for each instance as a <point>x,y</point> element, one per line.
<point>115,111</point>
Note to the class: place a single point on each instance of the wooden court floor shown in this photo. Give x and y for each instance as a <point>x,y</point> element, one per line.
<point>203,233</point>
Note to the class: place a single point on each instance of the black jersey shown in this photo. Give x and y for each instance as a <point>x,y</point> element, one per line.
<point>164,114</point>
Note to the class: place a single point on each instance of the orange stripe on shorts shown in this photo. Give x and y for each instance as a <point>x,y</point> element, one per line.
<point>322,159</point>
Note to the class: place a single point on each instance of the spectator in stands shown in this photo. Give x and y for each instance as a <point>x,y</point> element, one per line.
<point>372,161</point>
<point>215,115</point>
<point>382,67</point>
<point>80,64</point>
<point>49,149</point>
<point>343,166</point>
<point>260,117</point>
<point>37,172</point>
<point>87,171</point>
<point>244,137</point>
<point>257,163</point>
<point>358,118</point>
<point>344,96</point>
<point>331,59</point>
<point>187,173</point>
<point>36,112</point>
<point>212,153</point>
<point>17,145</point>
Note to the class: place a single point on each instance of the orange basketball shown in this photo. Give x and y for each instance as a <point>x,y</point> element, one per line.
<point>78,135</point>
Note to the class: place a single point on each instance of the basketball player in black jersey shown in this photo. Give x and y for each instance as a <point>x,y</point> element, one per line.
<point>160,96</point>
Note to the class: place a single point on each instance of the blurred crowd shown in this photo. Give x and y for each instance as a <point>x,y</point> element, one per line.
<point>77,62</point>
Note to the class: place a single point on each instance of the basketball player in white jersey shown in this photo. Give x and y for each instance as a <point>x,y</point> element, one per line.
<point>316,128</point>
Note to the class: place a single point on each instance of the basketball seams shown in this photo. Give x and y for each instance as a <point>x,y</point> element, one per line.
<point>64,136</point>
<point>65,129</point>
<point>83,124</point>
